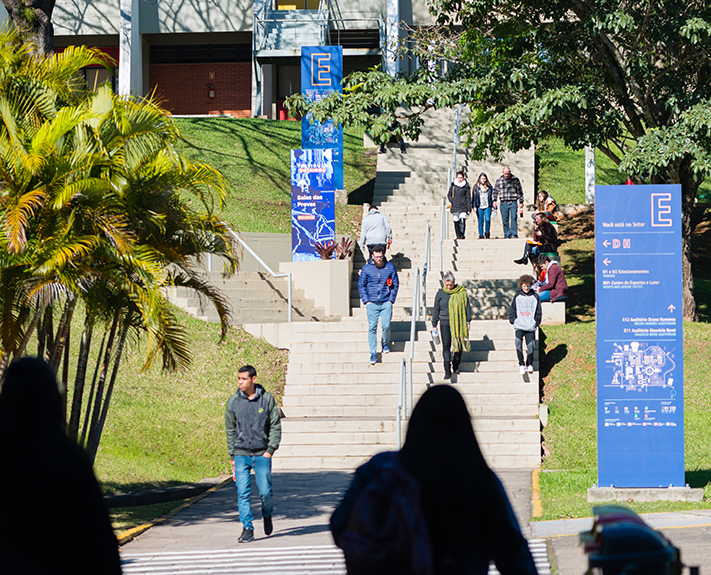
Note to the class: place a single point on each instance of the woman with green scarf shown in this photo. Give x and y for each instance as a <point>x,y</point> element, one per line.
<point>453,313</point>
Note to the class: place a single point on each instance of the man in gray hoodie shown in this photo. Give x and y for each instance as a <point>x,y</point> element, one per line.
<point>525,315</point>
<point>375,230</point>
<point>253,430</point>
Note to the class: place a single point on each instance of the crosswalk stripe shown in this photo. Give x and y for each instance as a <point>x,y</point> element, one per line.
<point>303,560</point>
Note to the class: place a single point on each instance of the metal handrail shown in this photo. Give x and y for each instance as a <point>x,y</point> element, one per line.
<point>457,123</point>
<point>270,270</point>
<point>406,372</point>
<point>425,268</point>
<point>442,232</point>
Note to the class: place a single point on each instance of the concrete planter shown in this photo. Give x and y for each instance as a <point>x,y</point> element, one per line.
<point>327,282</point>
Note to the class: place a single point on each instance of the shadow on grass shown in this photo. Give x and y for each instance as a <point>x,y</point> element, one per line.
<point>119,487</point>
<point>699,478</point>
<point>553,357</point>
<point>363,194</point>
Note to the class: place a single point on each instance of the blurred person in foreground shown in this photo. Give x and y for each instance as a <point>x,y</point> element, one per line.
<point>434,507</point>
<point>53,517</point>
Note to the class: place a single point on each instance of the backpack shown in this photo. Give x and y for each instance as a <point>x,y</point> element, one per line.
<point>386,533</point>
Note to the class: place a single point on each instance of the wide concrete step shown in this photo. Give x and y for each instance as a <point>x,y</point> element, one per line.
<point>291,426</point>
<point>400,343</point>
<point>302,394</point>
<point>384,411</point>
<point>376,378</point>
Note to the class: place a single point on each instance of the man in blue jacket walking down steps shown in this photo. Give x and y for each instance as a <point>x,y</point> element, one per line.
<point>253,430</point>
<point>377,286</point>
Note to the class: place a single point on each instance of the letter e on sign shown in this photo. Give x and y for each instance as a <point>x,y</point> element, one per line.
<point>661,207</point>
<point>320,69</point>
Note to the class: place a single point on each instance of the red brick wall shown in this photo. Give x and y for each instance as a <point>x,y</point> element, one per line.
<point>182,88</point>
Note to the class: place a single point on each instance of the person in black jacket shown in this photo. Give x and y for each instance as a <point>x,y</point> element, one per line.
<point>467,515</point>
<point>545,240</point>
<point>253,431</point>
<point>453,313</point>
<point>52,513</point>
<point>459,197</point>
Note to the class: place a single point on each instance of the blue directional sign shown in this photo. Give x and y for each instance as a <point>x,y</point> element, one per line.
<point>313,211</point>
<point>640,368</point>
<point>321,75</point>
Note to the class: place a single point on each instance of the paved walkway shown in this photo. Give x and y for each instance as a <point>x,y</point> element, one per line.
<point>203,537</point>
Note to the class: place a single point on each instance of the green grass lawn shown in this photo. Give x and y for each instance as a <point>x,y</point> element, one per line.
<point>561,172</point>
<point>253,155</point>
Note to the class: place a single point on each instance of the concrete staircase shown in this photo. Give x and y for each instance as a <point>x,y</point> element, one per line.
<point>254,297</point>
<point>339,410</point>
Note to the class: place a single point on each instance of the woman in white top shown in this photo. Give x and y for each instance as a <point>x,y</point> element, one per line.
<point>482,202</point>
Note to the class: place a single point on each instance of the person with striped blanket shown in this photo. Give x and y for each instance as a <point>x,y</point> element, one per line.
<point>453,313</point>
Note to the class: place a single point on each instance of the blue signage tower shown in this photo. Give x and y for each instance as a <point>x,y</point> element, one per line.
<point>313,211</point>
<point>321,75</point>
<point>640,367</point>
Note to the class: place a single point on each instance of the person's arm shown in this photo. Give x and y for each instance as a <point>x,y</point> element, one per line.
<point>396,285</point>
<point>468,193</point>
<point>496,191</point>
<point>363,286</point>
<point>539,311</point>
<point>519,192</point>
<point>230,429</point>
<point>552,278</point>
<point>435,309</point>
<point>469,308</point>
<point>450,195</point>
<point>388,230</point>
<point>362,236</point>
<point>512,311</point>
<point>274,428</point>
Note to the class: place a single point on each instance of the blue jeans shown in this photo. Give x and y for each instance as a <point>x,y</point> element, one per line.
<point>384,311</point>
<point>546,296</point>
<point>508,212</point>
<point>484,216</point>
<point>243,479</point>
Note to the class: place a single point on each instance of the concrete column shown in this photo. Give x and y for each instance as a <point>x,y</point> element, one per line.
<point>589,175</point>
<point>131,49</point>
<point>392,37</point>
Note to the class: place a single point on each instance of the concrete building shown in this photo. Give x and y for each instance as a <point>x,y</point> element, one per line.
<point>237,57</point>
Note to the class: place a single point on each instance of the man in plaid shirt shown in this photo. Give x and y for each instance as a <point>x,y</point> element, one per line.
<point>508,192</point>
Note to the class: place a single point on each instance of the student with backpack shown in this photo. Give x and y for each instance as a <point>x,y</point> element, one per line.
<point>433,508</point>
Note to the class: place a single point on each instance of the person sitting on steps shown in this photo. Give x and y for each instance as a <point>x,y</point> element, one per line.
<point>545,239</point>
<point>453,312</point>
<point>554,288</point>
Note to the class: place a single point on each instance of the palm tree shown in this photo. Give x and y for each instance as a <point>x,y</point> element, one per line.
<point>98,207</point>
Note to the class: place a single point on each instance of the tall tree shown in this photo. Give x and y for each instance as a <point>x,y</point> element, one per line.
<point>99,210</point>
<point>631,78</point>
<point>33,19</point>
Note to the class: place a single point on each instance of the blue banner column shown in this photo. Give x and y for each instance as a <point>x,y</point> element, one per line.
<point>640,367</point>
<point>321,75</point>
<point>313,211</point>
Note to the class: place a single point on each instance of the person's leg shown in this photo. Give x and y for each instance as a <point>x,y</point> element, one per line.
<point>401,143</point>
<point>463,226</point>
<point>526,254</point>
<point>456,360</point>
<point>263,475</point>
<point>514,220</point>
<point>505,217</point>
<point>455,219</point>
<point>530,341</point>
<point>371,247</point>
<point>487,222</point>
<point>544,295</point>
<point>446,334</point>
<point>519,347</point>
<point>243,481</point>
<point>386,314</point>
<point>480,218</point>
<point>372,311</point>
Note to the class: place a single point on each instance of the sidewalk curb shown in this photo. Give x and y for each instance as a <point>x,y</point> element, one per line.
<point>130,534</point>
<point>536,493</point>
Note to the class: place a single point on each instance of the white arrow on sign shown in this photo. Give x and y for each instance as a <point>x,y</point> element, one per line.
<point>605,243</point>
<point>671,308</point>
<point>606,261</point>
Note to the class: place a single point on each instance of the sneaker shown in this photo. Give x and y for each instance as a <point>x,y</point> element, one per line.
<point>521,262</point>
<point>529,369</point>
<point>522,369</point>
<point>386,349</point>
<point>247,536</point>
<point>268,525</point>
<point>373,359</point>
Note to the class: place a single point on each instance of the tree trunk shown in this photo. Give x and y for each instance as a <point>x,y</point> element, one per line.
<point>689,187</point>
<point>80,379</point>
<point>87,415</point>
<point>33,18</point>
